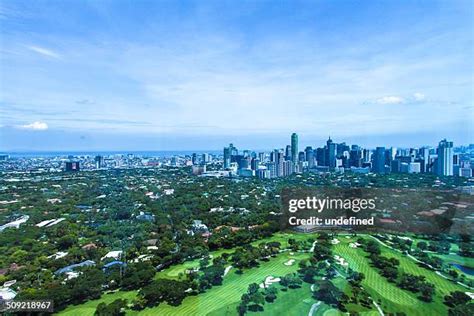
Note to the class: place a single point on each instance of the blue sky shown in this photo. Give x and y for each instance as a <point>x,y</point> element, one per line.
<point>159,75</point>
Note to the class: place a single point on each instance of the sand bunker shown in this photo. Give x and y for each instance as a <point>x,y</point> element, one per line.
<point>269,281</point>
<point>227,269</point>
<point>341,261</point>
<point>335,241</point>
<point>289,262</point>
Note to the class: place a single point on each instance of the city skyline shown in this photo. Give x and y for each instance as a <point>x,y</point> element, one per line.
<point>172,76</point>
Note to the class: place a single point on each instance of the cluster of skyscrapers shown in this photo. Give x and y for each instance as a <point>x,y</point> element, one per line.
<point>341,157</point>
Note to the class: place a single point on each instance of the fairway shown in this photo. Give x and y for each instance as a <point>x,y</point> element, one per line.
<point>392,298</point>
<point>223,300</point>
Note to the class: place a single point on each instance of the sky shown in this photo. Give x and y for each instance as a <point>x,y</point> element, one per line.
<point>197,75</point>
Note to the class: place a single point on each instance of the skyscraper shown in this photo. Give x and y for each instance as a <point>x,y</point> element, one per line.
<point>288,152</point>
<point>227,152</point>
<point>309,156</point>
<point>99,162</point>
<point>379,160</point>
<point>331,150</point>
<point>294,147</point>
<point>445,158</point>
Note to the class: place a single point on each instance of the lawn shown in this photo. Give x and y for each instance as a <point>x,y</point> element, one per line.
<point>392,298</point>
<point>223,300</point>
<point>219,296</point>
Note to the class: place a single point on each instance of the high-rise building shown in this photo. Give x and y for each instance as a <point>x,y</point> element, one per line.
<point>288,152</point>
<point>445,158</point>
<point>72,166</point>
<point>309,156</point>
<point>378,165</point>
<point>301,156</point>
<point>272,168</point>
<point>355,157</point>
<point>99,162</point>
<point>424,154</point>
<point>294,147</point>
<point>321,156</point>
<point>227,154</point>
<point>194,158</point>
<point>254,163</point>
<point>331,150</point>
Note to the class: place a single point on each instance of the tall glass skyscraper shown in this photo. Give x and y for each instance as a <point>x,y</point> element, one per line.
<point>445,158</point>
<point>294,147</point>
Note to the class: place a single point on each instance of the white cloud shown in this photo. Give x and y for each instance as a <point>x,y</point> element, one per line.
<point>419,96</point>
<point>44,51</point>
<point>390,100</point>
<point>37,126</point>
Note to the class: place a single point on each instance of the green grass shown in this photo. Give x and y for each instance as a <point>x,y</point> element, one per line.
<point>392,298</point>
<point>223,300</point>
<point>89,307</point>
<point>291,302</point>
<point>229,293</point>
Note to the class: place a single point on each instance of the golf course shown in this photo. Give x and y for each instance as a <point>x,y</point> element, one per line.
<point>387,297</point>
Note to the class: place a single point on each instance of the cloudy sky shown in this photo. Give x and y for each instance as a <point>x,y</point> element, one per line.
<point>158,75</point>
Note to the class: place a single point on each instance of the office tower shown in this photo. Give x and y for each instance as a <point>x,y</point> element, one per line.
<point>379,160</point>
<point>194,158</point>
<point>254,163</point>
<point>355,157</point>
<point>205,158</point>
<point>233,150</point>
<point>261,156</point>
<point>294,147</point>
<point>227,154</point>
<point>288,168</point>
<point>280,156</point>
<point>424,154</point>
<point>288,152</point>
<point>321,156</point>
<point>301,156</point>
<point>272,168</point>
<point>331,150</point>
<point>396,166</point>
<point>341,148</point>
<point>390,154</point>
<point>99,162</point>
<point>367,156</point>
<point>274,156</point>
<point>242,162</point>
<point>309,156</point>
<point>445,158</point>
<point>263,174</point>
<point>456,159</point>
<point>72,166</point>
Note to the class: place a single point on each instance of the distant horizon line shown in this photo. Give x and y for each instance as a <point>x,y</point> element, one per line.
<point>85,151</point>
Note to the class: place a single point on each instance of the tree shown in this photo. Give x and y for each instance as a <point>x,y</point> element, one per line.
<point>116,308</point>
<point>462,310</point>
<point>456,298</point>
<point>427,291</point>
<point>137,275</point>
<point>270,294</point>
<point>322,252</point>
<point>422,245</point>
<point>171,291</point>
<point>328,293</point>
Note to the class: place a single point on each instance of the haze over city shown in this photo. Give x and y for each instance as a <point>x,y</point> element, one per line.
<point>139,75</point>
